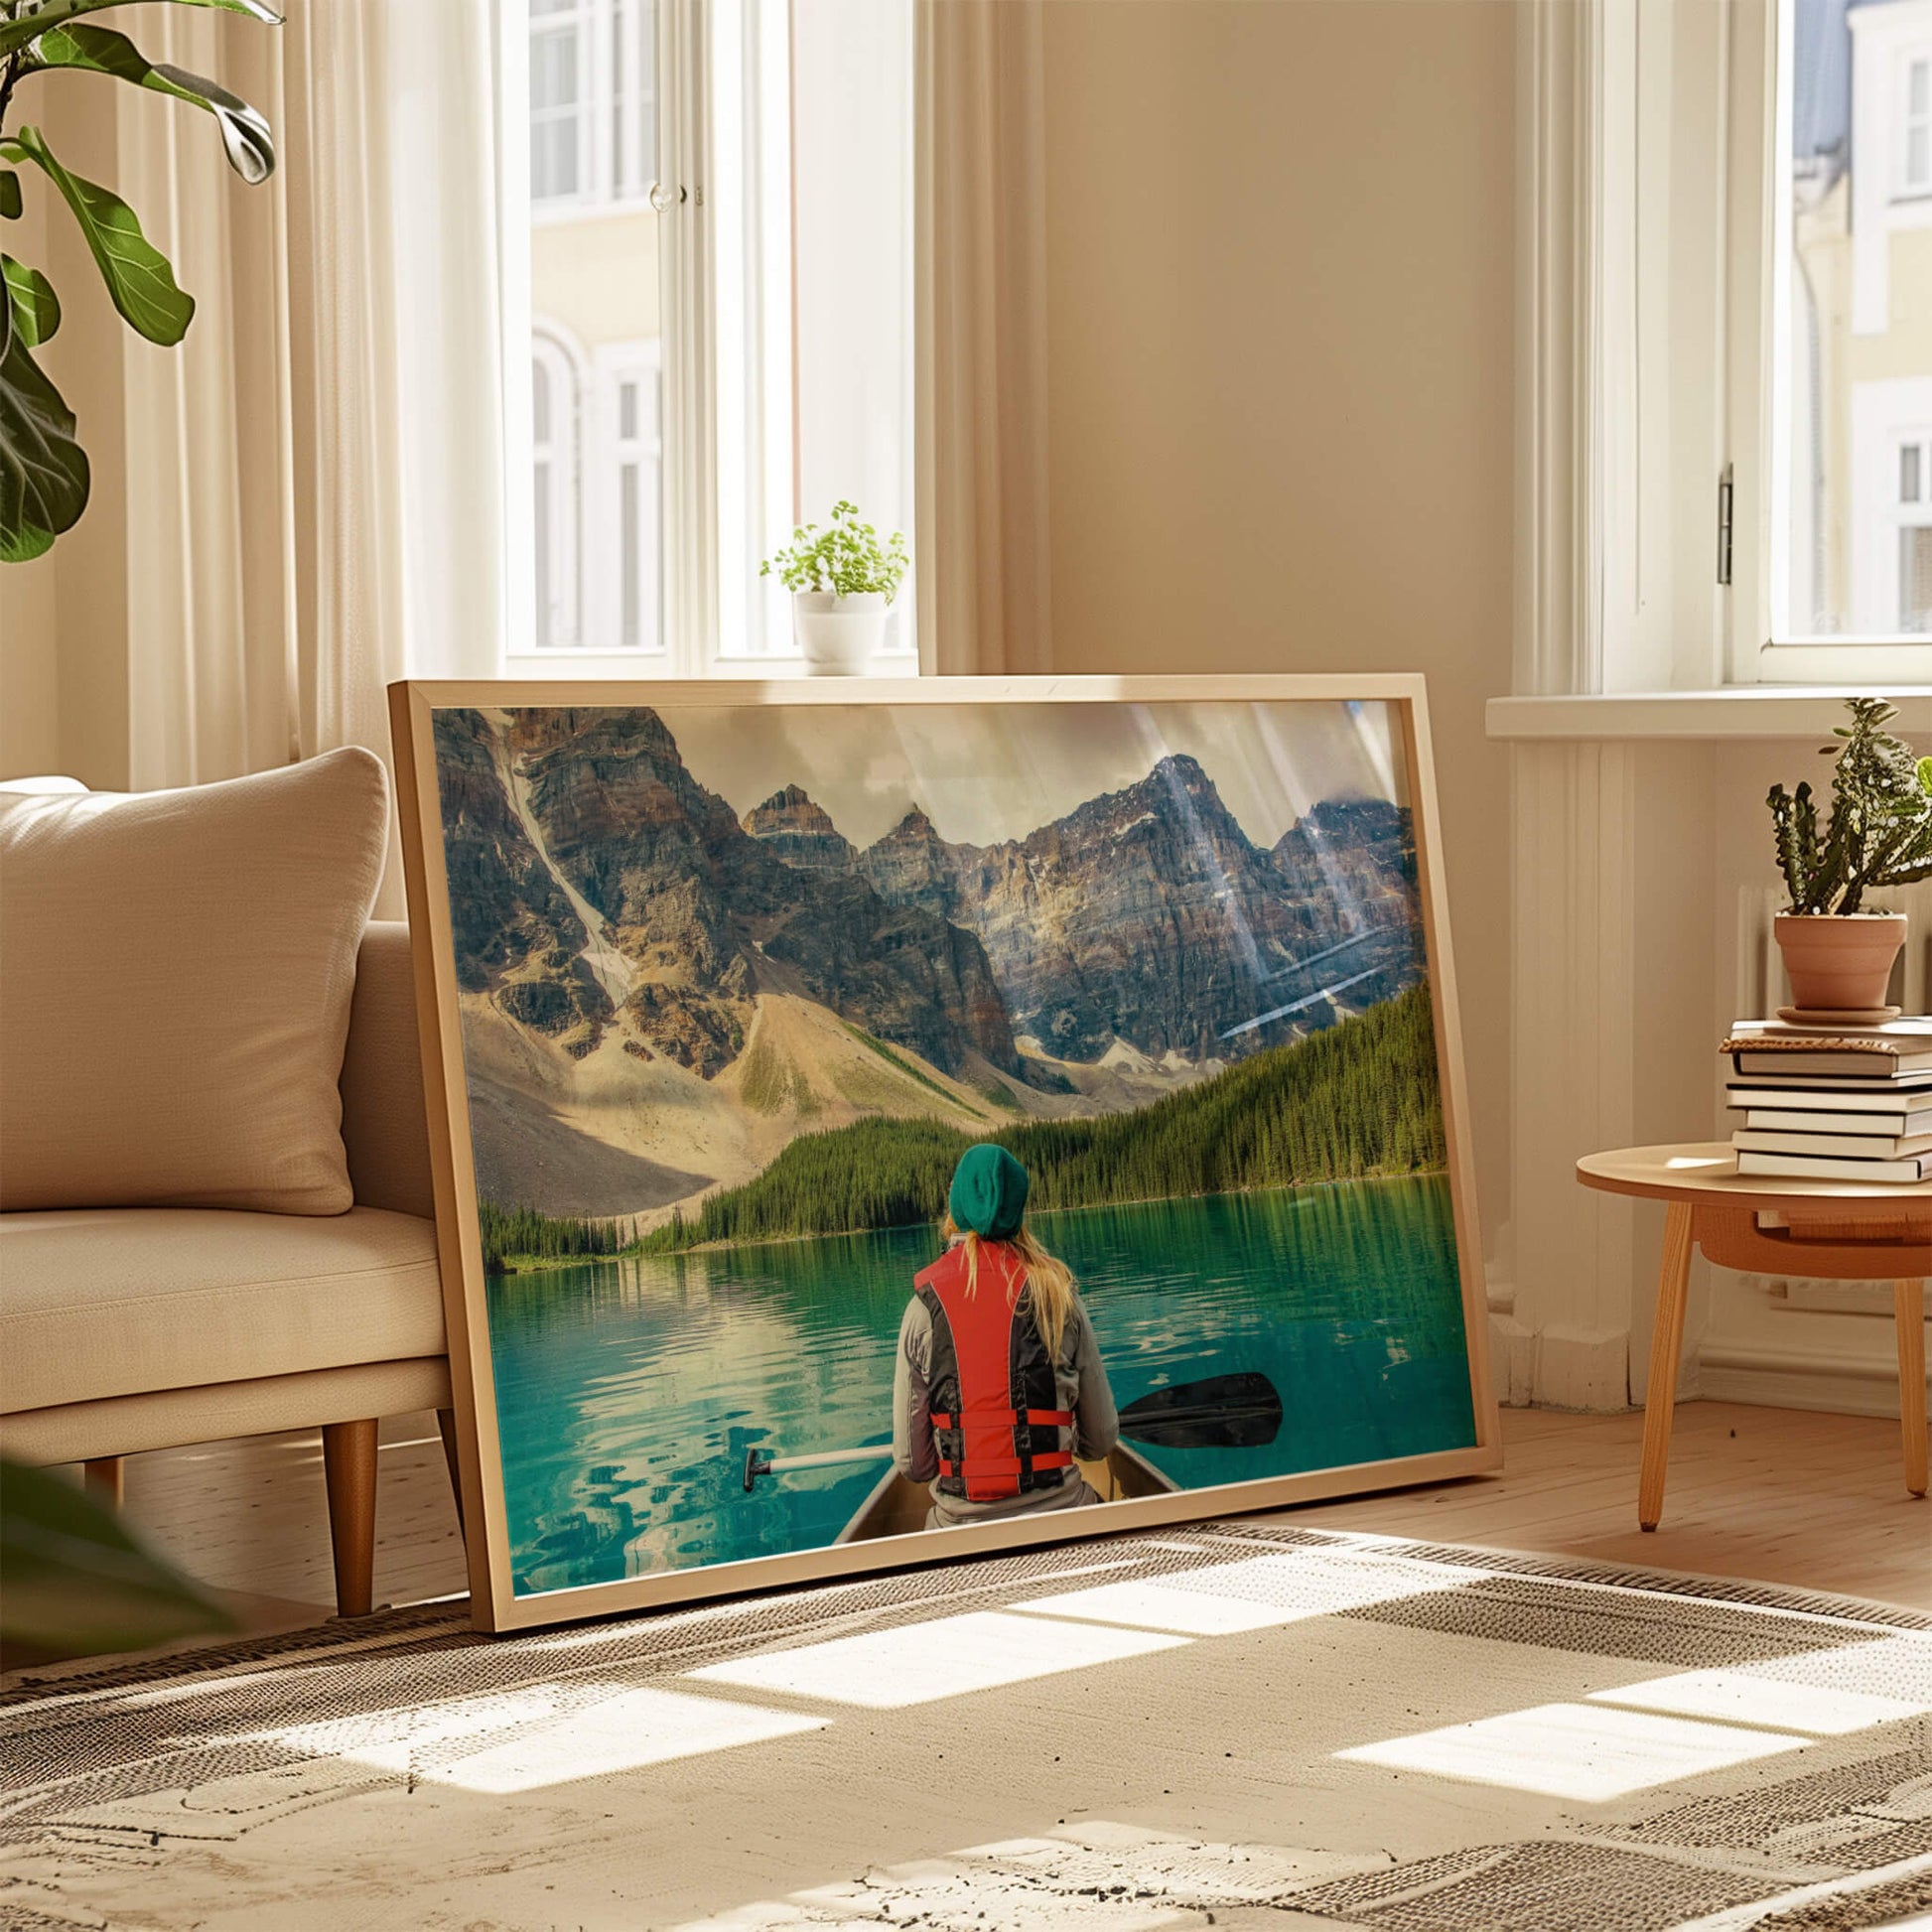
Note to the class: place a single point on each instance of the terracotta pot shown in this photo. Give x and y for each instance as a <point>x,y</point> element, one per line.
<point>1840,962</point>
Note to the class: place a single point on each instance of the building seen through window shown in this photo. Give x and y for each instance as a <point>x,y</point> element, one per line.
<point>1853,510</point>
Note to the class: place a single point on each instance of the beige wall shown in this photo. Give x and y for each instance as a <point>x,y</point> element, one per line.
<point>1280,262</point>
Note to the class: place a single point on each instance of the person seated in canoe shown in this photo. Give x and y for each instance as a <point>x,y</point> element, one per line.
<point>993,1324</point>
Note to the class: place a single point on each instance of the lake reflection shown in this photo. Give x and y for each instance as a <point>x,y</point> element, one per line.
<point>627,1391</point>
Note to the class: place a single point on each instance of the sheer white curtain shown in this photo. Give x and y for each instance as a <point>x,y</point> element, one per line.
<point>985,597</point>
<point>313,476</point>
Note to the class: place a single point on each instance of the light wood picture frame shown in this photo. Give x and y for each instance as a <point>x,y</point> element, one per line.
<point>594,1055</point>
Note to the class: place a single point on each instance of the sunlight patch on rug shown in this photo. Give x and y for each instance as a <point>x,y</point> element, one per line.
<point>559,1736</point>
<point>1253,1595</point>
<point>1581,1751</point>
<point>1741,1698</point>
<point>919,1663</point>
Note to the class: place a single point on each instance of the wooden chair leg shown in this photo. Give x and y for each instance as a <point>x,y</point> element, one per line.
<point>1908,1304</point>
<point>348,1465</point>
<point>1666,1347</point>
<point>104,1480</point>
<point>445,1423</point>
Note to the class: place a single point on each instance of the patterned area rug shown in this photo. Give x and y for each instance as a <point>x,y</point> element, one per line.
<point>1232,1724</point>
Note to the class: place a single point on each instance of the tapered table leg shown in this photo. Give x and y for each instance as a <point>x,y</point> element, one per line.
<point>1908,1301</point>
<point>1666,1347</point>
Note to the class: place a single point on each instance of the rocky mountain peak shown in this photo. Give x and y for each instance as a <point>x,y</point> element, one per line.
<point>800,832</point>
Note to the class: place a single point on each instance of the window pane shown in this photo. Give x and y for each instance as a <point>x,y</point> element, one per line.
<point>541,534</point>
<point>594,303</point>
<point>1853,387</point>
<point>553,69</point>
<point>1916,579</point>
<point>631,543</point>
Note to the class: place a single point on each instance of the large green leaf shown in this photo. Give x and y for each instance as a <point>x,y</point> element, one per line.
<point>99,50</point>
<point>9,195</point>
<point>77,1583</point>
<point>43,469</point>
<point>136,272</point>
<point>32,304</point>
<point>15,33</point>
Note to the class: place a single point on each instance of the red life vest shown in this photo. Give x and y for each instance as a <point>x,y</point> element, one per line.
<point>994,1399</point>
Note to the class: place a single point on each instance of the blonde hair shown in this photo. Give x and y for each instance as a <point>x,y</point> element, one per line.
<point>1049,1278</point>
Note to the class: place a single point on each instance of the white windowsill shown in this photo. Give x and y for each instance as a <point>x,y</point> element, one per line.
<point>1741,712</point>
<point>643,667</point>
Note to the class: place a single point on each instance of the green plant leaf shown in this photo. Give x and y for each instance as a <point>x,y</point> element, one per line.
<point>9,195</point>
<point>32,304</point>
<point>15,33</point>
<point>77,1583</point>
<point>43,469</point>
<point>1924,768</point>
<point>136,272</point>
<point>100,49</point>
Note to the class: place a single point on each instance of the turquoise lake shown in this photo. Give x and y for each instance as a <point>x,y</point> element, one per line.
<point>627,1391</point>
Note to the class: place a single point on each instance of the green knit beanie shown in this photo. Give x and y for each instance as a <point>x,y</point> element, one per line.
<point>989,1193</point>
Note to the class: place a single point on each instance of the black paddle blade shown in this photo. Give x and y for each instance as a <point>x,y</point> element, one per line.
<point>1242,1411</point>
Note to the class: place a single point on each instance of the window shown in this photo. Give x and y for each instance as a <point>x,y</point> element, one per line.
<point>633,31</point>
<point>626,517</point>
<point>1913,541</point>
<point>593,102</point>
<point>1852,344</point>
<point>555,483</point>
<point>1915,172</point>
<point>711,358</point>
<point>560,98</point>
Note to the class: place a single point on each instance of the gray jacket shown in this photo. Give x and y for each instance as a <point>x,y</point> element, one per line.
<point>1082,1382</point>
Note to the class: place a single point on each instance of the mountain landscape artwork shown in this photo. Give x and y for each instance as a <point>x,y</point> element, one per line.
<point>737,986</point>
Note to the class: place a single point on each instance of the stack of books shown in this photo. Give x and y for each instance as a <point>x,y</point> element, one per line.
<point>1833,1103</point>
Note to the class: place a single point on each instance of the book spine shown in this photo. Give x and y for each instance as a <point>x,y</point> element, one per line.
<point>1810,1167</point>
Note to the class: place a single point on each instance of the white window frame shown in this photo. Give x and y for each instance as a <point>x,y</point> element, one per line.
<point>1647,138</point>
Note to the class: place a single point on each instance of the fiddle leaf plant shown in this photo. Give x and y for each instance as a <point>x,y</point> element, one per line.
<point>1879,830</point>
<point>44,474</point>
<point>846,557</point>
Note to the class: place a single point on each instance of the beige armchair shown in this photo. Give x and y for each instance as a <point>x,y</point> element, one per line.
<point>132,1329</point>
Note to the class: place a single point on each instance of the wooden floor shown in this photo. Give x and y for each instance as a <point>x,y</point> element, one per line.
<point>1778,1495</point>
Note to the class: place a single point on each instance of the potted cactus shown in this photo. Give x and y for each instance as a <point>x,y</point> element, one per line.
<point>1878,833</point>
<point>842,581</point>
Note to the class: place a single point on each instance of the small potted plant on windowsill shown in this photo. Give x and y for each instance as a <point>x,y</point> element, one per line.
<point>1838,955</point>
<point>842,581</point>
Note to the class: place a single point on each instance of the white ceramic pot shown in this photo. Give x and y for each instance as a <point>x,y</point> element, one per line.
<point>839,634</point>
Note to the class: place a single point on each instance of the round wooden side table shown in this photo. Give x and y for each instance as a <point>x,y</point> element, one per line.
<point>1832,1230</point>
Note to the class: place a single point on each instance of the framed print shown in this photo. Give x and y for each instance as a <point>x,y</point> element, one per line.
<point>874,1120</point>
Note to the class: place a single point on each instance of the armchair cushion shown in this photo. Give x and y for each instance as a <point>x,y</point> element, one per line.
<point>178,968</point>
<point>98,1303</point>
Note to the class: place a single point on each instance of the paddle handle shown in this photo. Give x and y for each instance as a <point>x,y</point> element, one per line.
<point>758,1463</point>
